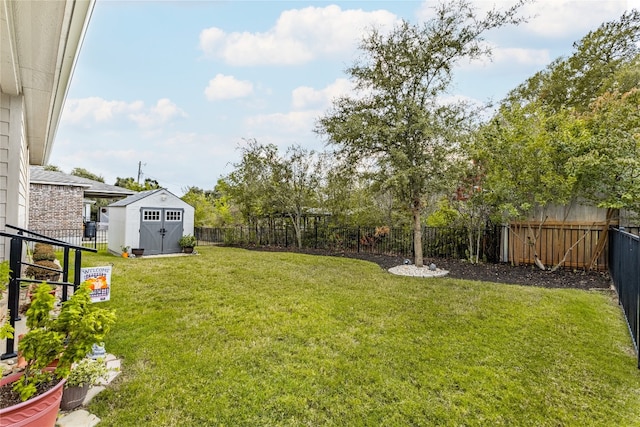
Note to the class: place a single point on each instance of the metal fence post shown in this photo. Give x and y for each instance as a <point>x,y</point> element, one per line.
<point>13,302</point>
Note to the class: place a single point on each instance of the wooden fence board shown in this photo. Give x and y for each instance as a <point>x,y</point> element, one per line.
<point>552,240</point>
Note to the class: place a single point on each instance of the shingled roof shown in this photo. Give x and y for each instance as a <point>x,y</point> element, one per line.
<point>91,188</point>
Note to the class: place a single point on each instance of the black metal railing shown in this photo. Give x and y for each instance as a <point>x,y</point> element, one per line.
<point>16,250</point>
<point>624,268</point>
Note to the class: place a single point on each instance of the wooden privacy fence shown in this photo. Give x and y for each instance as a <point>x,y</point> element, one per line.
<point>572,245</point>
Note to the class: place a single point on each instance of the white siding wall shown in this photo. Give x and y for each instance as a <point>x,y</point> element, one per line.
<point>14,167</point>
<point>117,220</point>
<point>132,230</point>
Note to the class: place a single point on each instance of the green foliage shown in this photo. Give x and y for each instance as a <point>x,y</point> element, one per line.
<point>83,173</point>
<point>266,185</point>
<point>67,337</point>
<point>6,330</point>
<point>395,126</point>
<point>607,160</point>
<point>43,248</point>
<point>44,256</point>
<point>575,82</point>
<point>188,241</point>
<point>523,152</point>
<point>571,131</point>
<point>87,372</point>
<point>39,273</point>
<point>52,168</point>
<point>212,209</point>
<point>132,184</point>
<point>444,216</point>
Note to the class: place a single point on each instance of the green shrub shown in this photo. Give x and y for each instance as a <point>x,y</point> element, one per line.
<point>42,273</point>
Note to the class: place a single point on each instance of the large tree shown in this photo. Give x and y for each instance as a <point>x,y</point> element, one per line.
<point>266,184</point>
<point>296,179</point>
<point>578,80</point>
<point>396,120</point>
<point>249,184</point>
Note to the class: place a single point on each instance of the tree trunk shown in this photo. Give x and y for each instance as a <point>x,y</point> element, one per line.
<point>417,237</point>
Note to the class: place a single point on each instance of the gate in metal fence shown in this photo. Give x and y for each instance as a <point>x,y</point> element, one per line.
<point>624,268</point>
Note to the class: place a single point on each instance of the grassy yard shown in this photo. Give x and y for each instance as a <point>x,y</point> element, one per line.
<point>244,338</point>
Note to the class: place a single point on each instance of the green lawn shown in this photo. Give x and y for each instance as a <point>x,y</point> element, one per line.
<point>246,338</point>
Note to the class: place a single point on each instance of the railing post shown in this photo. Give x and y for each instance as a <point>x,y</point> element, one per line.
<point>77,266</point>
<point>13,303</point>
<point>65,274</point>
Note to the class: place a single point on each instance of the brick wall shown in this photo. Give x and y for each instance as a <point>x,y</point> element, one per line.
<point>55,207</point>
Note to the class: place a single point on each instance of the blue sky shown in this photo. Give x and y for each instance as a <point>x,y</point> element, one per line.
<point>179,85</point>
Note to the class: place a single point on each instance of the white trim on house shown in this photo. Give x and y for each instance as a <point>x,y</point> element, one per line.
<point>39,45</point>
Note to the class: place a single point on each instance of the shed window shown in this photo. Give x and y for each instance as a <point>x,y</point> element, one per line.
<point>173,216</point>
<point>150,215</point>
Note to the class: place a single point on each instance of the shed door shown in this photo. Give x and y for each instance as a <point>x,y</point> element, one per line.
<point>160,230</point>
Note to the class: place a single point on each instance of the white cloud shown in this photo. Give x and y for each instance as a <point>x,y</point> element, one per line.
<point>227,87</point>
<point>557,18</point>
<point>163,112</point>
<point>307,97</point>
<point>278,123</point>
<point>96,110</point>
<point>552,18</point>
<point>299,36</point>
<point>513,57</point>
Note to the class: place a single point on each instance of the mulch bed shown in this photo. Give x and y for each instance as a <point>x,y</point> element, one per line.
<point>489,272</point>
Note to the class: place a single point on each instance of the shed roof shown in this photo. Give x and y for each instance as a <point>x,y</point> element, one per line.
<point>141,195</point>
<point>39,175</point>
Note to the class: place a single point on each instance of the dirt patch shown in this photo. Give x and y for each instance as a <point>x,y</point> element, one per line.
<point>498,273</point>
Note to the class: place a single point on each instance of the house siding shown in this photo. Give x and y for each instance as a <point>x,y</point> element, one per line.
<point>14,166</point>
<point>55,207</point>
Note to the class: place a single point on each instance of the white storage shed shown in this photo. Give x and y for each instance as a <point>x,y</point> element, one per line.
<point>153,220</point>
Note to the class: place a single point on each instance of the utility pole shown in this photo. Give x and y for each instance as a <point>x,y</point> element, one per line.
<point>139,171</point>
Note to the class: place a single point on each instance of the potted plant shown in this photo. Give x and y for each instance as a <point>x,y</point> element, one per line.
<point>137,252</point>
<point>67,337</point>
<point>84,374</point>
<point>125,251</point>
<point>187,243</point>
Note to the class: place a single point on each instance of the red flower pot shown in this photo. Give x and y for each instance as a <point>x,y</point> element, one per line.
<point>39,411</point>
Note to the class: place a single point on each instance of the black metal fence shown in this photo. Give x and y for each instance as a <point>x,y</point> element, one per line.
<point>96,238</point>
<point>437,241</point>
<point>18,240</point>
<point>624,268</point>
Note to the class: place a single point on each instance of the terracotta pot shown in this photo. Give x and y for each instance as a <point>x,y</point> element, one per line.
<point>125,255</point>
<point>72,397</point>
<point>39,411</point>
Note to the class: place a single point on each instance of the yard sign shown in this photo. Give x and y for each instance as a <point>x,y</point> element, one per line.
<point>99,279</point>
